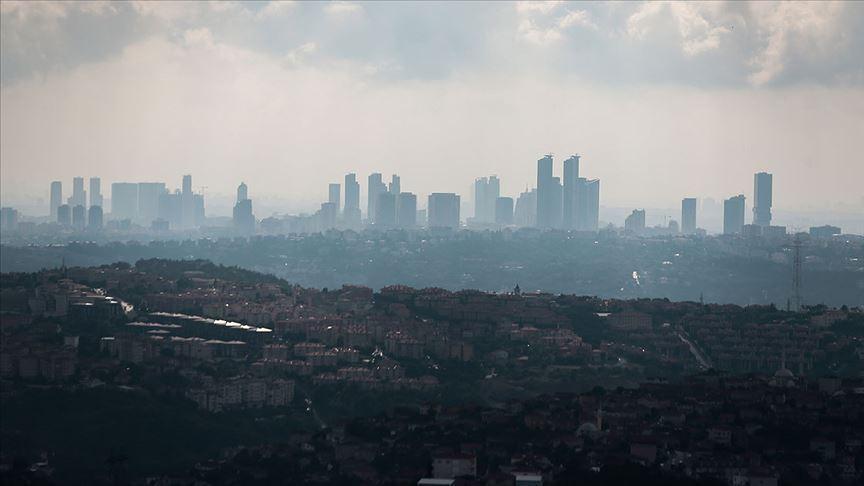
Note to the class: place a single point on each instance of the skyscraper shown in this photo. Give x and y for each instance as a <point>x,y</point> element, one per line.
<point>733,215</point>
<point>187,203</point>
<point>79,217</point>
<point>544,192</point>
<point>443,210</point>
<point>334,196</point>
<point>79,195</point>
<point>326,216</point>
<point>486,191</point>
<point>124,200</point>
<point>242,192</point>
<point>95,191</point>
<point>762,198</point>
<point>385,210</point>
<point>395,184</point>
<point>149,194</point>
<point>64,215</point>
<point>568,193</point>
<point>406,210</point>
<point>56,198</point>
<point>635,223</point>
<point>525,212</point>
<point>375,187</point>
<point>94,218</point>
<point>504,211</point>
<point>688,215</point>
<point>243,219</point>
<point>592,212</point>
<point>352,201</point>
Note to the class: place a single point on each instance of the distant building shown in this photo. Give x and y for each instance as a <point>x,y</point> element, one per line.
<point>56,199</point>
<point>406,210</point>
<point>124,200</point>
<point>243,219</point>
<point>327,216</point>
<point>94,218</point>
<point>79,217</point>
<point>95,191</point>
<point>826,231</point>
<point>334,196</point>
<point>635,223</point>
<point>486,192</point>
<point>443,210</point>
<point>8,219</point>
<point>79,195</point>
<point>148,201</point>
<point>242,192</point>
<point>733,215</point>
<point>525,212</point>
<point>545,211</point>
<point>568,194</point>
<point>504,211</point>
<point>64,215</point>
<point>688,215</point>
<point>395,185</point>
<point>762,197</point>
<point>385,210</point>
<point>352,201</point>
<point>375,187</point>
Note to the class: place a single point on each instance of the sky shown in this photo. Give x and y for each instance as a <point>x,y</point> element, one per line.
<point>663,100</point>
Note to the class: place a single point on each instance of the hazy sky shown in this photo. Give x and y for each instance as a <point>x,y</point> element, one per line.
<point>663,100</point>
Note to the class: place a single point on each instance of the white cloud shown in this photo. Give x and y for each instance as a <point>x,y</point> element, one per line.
<point>296,55</point>
<point>700,27</point>
<point>343,8</point>
<point>577,18</point>
<point>276,8</point>
<point>543,7</point>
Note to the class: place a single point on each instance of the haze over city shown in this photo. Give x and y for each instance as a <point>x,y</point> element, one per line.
<point>662,100</point>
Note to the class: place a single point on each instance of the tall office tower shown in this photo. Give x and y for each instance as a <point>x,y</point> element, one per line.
<point>635,223</point>
<point>525,213</point>
<point>568,192</point>
<point>385,210</point>
<point>95,191</point>
<point>504,211</point>
<point>64,215</point>
<point>148,201</point>
<point>592,211</point>
<point>376,187</point>
<point>443,210</point>
<point>243,219</point>
<point>688,215</point>
<point>733,215</point>
<point>406,210</point>
<point>79,195</point>
<point>486,191</point>
<point>555,203</point>
<point>171,209</point>
<point>544,192</point>
<point>352,201</point>
<point>56,198</point>
<point>198,216</point>
<point>79,217</point>
<point>335,195</point>
<point>94,218</point>
<point>395,184</point>
<point>762,196</point>
<point>187,203</point>
<point>124,200</point>
<point>327,216</point>
<point>8,219</point>
<point>242,192</point>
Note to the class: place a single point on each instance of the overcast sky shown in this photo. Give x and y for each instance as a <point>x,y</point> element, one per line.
<point>663,100</point>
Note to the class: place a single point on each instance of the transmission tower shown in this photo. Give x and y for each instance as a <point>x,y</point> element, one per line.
<point>796,274</point>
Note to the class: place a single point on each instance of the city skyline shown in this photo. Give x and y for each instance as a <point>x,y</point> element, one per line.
<point>694,97</point>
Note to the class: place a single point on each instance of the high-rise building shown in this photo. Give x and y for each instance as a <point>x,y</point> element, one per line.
<point>124,200</point>
<point>504,211</point>
<point>79,195</point>
<point>688,215</point>
<point>327,216</point>
<point>8,219</point>
<point>443,210</point>
<point>171,209</point>
<point>243,219</point>
<point>733,215</point>
<point>187,203</point>
<point>544,192</point>
<point>556,204</point>
<point>826,231</point>
<point>591,221</point>
<point>635,223</point>
<point>486,191</point>
<point>335,195</point>
<point>64,215</point>
<point>79,217</point>
<point>56,198</point>
<point>149,194</point>
<point>352,201</point>
<point>385,210</point>
<point>242,192</point>
<point>525,213</point>
<point>568,192</point>
<point>375,187</point>
<point>406,210</point>
<point>94,218</point>
<point>762,198</point>
<point>95,191</point>
<point>395,184</point>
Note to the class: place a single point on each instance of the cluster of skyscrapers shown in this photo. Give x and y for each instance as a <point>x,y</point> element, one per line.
<point>734,210</point>
<point>571,204</point>
<point>149,204</point>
